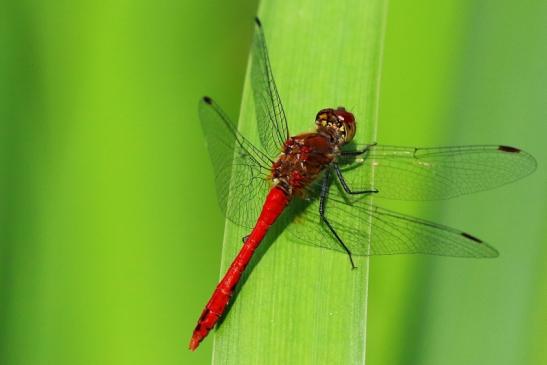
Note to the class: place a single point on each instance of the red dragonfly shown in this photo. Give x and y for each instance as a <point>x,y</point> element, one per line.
<point>327,178</point>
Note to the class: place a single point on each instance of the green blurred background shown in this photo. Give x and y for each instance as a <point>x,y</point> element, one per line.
<point>110,236</point>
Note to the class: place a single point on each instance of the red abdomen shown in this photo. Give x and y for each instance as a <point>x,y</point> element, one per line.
<point>276,201</point>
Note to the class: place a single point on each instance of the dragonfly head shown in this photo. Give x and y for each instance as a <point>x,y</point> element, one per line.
<point>338,123</point>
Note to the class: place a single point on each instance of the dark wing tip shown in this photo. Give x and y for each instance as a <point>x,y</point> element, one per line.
<point>487,251</point>
<point>208,100</point>
<point>508,149</point>
<point>472,238</point>
<point>258,22</point>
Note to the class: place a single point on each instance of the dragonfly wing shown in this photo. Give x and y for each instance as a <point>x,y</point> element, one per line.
<point>410,173</point>
<point>233,155</point>
<point>272,122</point>
<point>367,229</point>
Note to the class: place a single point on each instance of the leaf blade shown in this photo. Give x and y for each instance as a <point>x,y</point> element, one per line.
<point>300,304</point>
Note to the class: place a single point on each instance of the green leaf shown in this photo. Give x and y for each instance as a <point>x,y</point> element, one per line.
<point>299,304</point>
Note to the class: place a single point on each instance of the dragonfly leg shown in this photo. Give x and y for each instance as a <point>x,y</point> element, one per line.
<point>345,184</point>
<point>357,153</point>
<point>322,203</point>
<point>244,238</point>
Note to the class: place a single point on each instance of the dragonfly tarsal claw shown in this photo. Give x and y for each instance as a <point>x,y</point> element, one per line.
<point>353,267</point>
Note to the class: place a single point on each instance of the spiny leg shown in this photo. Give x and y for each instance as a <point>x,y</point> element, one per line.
<point>244,238</point>
<point>322,203</point>
<point>345,184</point>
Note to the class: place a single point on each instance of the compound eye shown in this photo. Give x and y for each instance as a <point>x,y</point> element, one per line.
<point>323,114</point>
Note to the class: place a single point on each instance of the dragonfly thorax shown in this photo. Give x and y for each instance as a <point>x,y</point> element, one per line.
<point>338,123</point>
<point>303,158</point>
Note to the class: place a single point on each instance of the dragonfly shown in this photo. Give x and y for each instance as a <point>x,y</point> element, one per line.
<point>323,181</point>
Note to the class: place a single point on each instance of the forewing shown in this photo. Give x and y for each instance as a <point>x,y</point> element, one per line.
<point>410,173</point>
<point>272,122</point>
<point>241,169</point>
<point>370,230</point>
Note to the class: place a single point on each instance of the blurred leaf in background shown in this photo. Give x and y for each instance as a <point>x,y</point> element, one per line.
<point>470,72</point>
<point>110,231</point>
<point>110,236</point>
